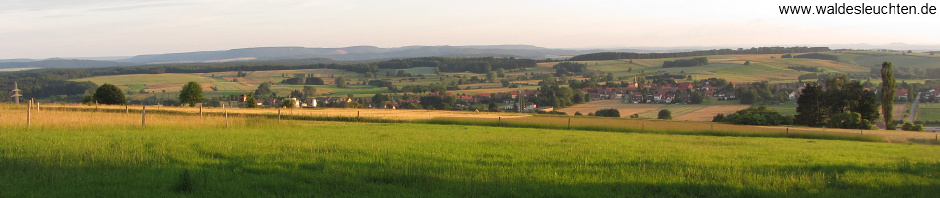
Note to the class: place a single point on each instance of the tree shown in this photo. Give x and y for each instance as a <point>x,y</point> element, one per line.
<point>810,109</point>
<point>696,98</point>
<point>287,103</point>
<point>341,82</point>
<point>250,101</point>
<point>887,94</point>
<point>664,114</point>
<point>747,62</point>
<point>380,100</point>
<point>309,92</point>
<point>191,94</point>
<point>264,90</point>
<point>849,120</point>
<point>109,94</point>
<point>505,82</point>
<point>500,72</point>
<point>608,113</point>
<point>491,77</point>
<point>296,93</point>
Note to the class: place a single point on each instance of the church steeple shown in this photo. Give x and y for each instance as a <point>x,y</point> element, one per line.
<point>16,93</point>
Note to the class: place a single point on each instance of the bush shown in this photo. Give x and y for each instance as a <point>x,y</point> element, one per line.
<point>664,114</point>
<point>607,113</point>
<point>718,118</point>
<point>755,116</point>
<point>551,112</point>
<point>577,113</point>
<point>849,120</point>
<point>907,126</point>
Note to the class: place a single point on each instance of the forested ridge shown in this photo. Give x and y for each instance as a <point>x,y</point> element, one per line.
<point>757,50</point>
<point>43,83</point>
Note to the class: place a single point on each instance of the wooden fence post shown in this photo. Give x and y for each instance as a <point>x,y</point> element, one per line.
<point>37,106</point>
<point>143,116</point>
<point>279,115</point>
<point>225,114</point>
<point>200,110</point>
<point>569,123</point>
<point>788,131</point>
<point>96,106</point>
<point>644,126</point>
<point>357,114</point>
<point>126,110</point>
<point>500,121</point>
<point>28,113</point>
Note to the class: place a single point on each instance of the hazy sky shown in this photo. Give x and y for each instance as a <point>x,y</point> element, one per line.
<point>88,28</point>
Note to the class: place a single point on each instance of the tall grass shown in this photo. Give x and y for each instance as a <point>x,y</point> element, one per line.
<point>653,127</point>
<point>186,155</point>
<point>526,121</point>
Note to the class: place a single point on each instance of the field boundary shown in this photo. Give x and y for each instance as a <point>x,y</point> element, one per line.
<point>800,133</point>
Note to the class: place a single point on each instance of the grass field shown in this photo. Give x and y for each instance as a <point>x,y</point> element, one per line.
<point>107,154</point>
<point>928,111</point>
<point>708,113</point>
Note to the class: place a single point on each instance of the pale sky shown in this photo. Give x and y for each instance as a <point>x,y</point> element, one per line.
<point>96,28</point>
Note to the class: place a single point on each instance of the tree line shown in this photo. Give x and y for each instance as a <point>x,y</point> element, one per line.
<point>698,61</point>
<point>759,50</point>
<point>444,64</point>
<point>54,83</point>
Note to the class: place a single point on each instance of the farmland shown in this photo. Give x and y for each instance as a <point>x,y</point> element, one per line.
<point>928,112</point>
<point>684,112</point>
<point>108,154</point>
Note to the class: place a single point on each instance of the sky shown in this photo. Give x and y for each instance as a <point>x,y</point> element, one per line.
<point>100,28</point>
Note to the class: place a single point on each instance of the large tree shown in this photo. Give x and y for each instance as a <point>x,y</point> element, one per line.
<point>264,91</point>
<point>887,94</point>
<point>191,94</point>
<point>664,114</point>
<point>109,94</point>
<point>309,92</point>
<point>811,109</point>
<point>341,82</point>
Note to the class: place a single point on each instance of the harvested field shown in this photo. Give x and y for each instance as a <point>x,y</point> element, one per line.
<point>676,110</point>
<point>706,114</point>
<point>397,114</point>
<point>626,109</point>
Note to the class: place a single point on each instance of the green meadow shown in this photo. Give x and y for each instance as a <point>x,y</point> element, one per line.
<point>183,155</point>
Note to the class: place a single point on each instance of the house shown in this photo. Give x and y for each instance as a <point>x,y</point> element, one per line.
<point>902,94</point>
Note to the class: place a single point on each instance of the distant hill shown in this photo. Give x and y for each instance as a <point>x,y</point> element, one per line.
<point>355,53</point>
<point>60,63</point>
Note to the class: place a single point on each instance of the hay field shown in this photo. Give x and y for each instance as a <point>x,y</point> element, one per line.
<point>706,114</point>
<point>675,109</point>
<point>391,114</point>
<point>626,109</point>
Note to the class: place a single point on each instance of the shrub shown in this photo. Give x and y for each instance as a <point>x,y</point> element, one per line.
<point>607,113</point>
<point>664,114</point>
<point>907,126</point>
<point>718,118</point>
<point>755,116</point>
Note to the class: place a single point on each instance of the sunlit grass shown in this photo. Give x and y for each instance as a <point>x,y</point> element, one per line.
<point>110,155</point>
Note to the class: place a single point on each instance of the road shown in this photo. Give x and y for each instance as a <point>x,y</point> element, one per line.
<point>913,114</point>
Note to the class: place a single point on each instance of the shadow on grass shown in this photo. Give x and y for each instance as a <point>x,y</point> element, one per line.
<point>234,175</point>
